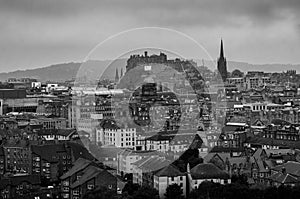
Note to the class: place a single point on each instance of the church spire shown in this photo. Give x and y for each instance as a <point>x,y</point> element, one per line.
<point>222,65</point>
<point>221,49</point>
<point>117,76</point>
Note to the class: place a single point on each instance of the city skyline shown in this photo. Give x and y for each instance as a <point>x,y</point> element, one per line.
<point>38,33</point>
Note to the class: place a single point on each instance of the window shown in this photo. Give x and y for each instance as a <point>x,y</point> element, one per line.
<point>90,187</point>
<point>66,183</point>
<point>66,189</point>
<point>76,192</point>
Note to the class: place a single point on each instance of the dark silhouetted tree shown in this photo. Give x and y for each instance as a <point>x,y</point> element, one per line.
<point>101,193</point>
<point>130,188</point>
<point>146,192</point>
<point>174,191</point>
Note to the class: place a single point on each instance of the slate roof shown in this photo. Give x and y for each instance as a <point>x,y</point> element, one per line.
<point>89,173</point>
<point>108,151</point>
<point>18,179</point>
<point>271,152</point>
<point>258,153</point>
<point>63,132</point>
<point>208,171</point>
<point>128,152</point>
<point>274,142</point>
<point>291,167</point>
<point>169,171</point>
<point>217,149</point>
<point>79,164</point>
<point>280,122</point>
<point>32,179</point>
<point>79,150</point>
<point>109,124</point>
<point>284,178</point>
<point>152,163</point>
<point>47,152</point>
<point>230,128</point>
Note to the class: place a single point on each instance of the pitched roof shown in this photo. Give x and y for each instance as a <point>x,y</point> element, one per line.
<point>48,152</point>
<point>274,142</point>
<point>258,153</point>
<point>62,132</point>
<point>89,173</point>
<point>79,164</point>
<point>222,156</point>
<point>79,150</point>
<point>208,171</point>
<point>130,152</point>
<point>284,178</point>
<point>18,179</point>
<point>270,152</point>
<point>280,122</point>
<point>262,166</point>
<point>291,167</point>
<point>169,171</point>
<point>109,124</point>
<point>152,163</point>
<point>218,149</point>
<point>32,179</point>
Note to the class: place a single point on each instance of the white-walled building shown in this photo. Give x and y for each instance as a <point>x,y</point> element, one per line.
<point>176,143</point>
<point>146,167</point>
<point>168,176</point>
<point>127,157</point>
<point>119,137</point>
<point>206,172</point>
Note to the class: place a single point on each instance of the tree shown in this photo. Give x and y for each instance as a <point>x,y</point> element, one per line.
<point>174,191</point>
<point>146,192</point>
<point>130,188</point>
<point>101,193</point>
<point>237,73</point>
<point>240,179</point>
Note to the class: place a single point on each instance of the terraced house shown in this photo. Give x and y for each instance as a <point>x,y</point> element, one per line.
<point>84,176</point>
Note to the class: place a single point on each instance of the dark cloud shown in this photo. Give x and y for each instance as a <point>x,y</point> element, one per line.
<point>172,12</point>
<point>32,24</point>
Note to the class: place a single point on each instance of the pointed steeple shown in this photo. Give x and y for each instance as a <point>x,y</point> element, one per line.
<point>117,75</point>
<point>222,65</point>
<point>221,49</point>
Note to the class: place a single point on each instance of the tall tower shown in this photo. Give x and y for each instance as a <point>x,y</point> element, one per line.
<point>121,73</point>
<point>117,76</point>
<point>222,65</point>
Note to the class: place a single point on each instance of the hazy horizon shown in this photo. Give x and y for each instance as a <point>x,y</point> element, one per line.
<point>39,33</point>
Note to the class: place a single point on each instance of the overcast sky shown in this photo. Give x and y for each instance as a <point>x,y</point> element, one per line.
<point>36,33</point>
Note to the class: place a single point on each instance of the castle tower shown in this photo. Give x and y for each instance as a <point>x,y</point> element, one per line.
<point>117,76</point>
<point>121,73</point>
<point>222,64</point>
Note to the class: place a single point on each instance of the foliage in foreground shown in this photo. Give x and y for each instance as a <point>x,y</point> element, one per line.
<point>236,191</point>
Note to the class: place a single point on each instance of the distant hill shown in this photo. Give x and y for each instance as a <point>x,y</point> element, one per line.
<point>95,68</point>
<point>244,67</point>
<point>68,71</point>
<point>56,72</point>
